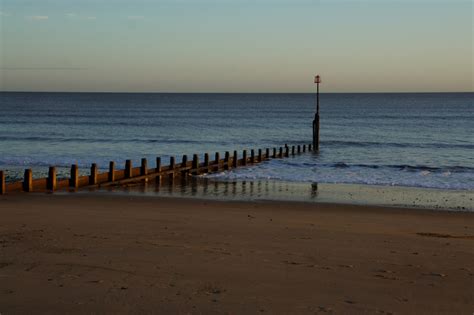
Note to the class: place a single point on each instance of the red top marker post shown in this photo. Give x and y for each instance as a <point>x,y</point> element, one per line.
<point>317,80</point>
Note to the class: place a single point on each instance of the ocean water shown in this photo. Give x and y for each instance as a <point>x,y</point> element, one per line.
<point>411,140</point>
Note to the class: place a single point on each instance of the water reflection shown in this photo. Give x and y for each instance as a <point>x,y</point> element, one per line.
<point>244,190</point>
<point>193,186</point>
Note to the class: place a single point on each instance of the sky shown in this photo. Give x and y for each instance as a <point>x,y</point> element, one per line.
<point>236,45</point>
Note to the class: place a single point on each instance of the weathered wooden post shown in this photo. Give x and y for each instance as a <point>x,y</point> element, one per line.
<point>267,153</point>
<point>158,170</point>
<point>111,176</point>
<point>184,163</point>
<point>51,182</point>
<point>93,175</point>
<point>128,169</point>
<point>304,147</point>
<point>74,180</point>
<point>299,149</point>
<point>293,150</point>
<point>235,160</point>
<point>195,164</point>
<point>226,160</point>
<point>274,155</point>
<point>217,161</point>
<point>309,147</point>
<point>280,154</point>
<point>252,156</point>
<point>206,162</point>
<point>244,157</point>
<point>287,151</point>
<point>259,155</point>
<point>317,80</point>
<point>158,165</point>
<point>3,187</point>
<point>172,166</point>
<point>144,167</point>
<point>28,180</point>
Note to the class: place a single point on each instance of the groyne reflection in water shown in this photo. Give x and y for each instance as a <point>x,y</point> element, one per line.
<point>260,190</point>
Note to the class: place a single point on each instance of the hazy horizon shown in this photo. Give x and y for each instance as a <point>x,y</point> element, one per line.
<point>242,46</point>
<point>171,92</point>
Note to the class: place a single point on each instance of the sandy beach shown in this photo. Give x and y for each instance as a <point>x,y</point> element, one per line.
<point>85,253</point>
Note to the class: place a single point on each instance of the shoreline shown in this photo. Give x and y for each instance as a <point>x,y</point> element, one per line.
<point>89,253</point>
<point>282,191</point>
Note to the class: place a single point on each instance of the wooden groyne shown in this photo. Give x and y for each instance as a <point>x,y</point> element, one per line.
<point>132,174</point>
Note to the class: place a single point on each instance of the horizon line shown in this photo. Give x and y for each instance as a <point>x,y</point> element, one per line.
<point>167,92</point>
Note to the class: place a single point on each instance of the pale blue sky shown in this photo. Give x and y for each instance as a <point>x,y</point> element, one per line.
<point>236,46</point>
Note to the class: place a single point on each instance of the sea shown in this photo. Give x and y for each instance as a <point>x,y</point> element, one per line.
<point>417,140</point>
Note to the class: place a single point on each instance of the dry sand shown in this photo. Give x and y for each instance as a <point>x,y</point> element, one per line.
<point>118,254</point>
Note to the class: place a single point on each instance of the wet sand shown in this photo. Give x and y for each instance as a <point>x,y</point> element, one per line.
<point>85,253</point>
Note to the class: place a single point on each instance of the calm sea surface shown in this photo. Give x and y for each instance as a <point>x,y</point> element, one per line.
<point>415,140</point>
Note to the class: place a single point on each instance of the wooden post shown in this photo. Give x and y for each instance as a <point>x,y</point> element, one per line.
<point>317,80</point>
<point>144,167</point>
<point>3,186</point>
<point>195,164</point>
<point>93,176</point>
<point>226,160</point>
<point>309,147</point>
<point>111,177</point>
<point>259,155</point>
<point>158,165</point>
<point>184,163</point>
<point>293,150</point>
<point>316,132</point>
<point>287,151</point>
<point>274,155</point>
<point>244,157</point>
<point>28,180</point>
<point>206,162</point>
<point>280,155</point>
<point>252,156</point>
<point>74,180</point>
<point>235,160</point>
<point>128,169</point>
<point>172,162</point>
<point>267,153</point>
<point>304,147</point>
<point>299,149</point>
<point>172,166</point>
<point>158,170</point>
<point>52,181</point>
<point>217,161</point>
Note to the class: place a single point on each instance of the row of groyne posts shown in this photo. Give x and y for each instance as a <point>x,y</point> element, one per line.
<point>142,173</point>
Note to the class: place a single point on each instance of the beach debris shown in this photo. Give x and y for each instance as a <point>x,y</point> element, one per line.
<point>346,266</point>
<point>386,277</point>
<point>324,309</point>
<point>95,281</point>
<point>445,235</point>
<point>292,262</point>
<point>435,274</point>
<point>210,288</point>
